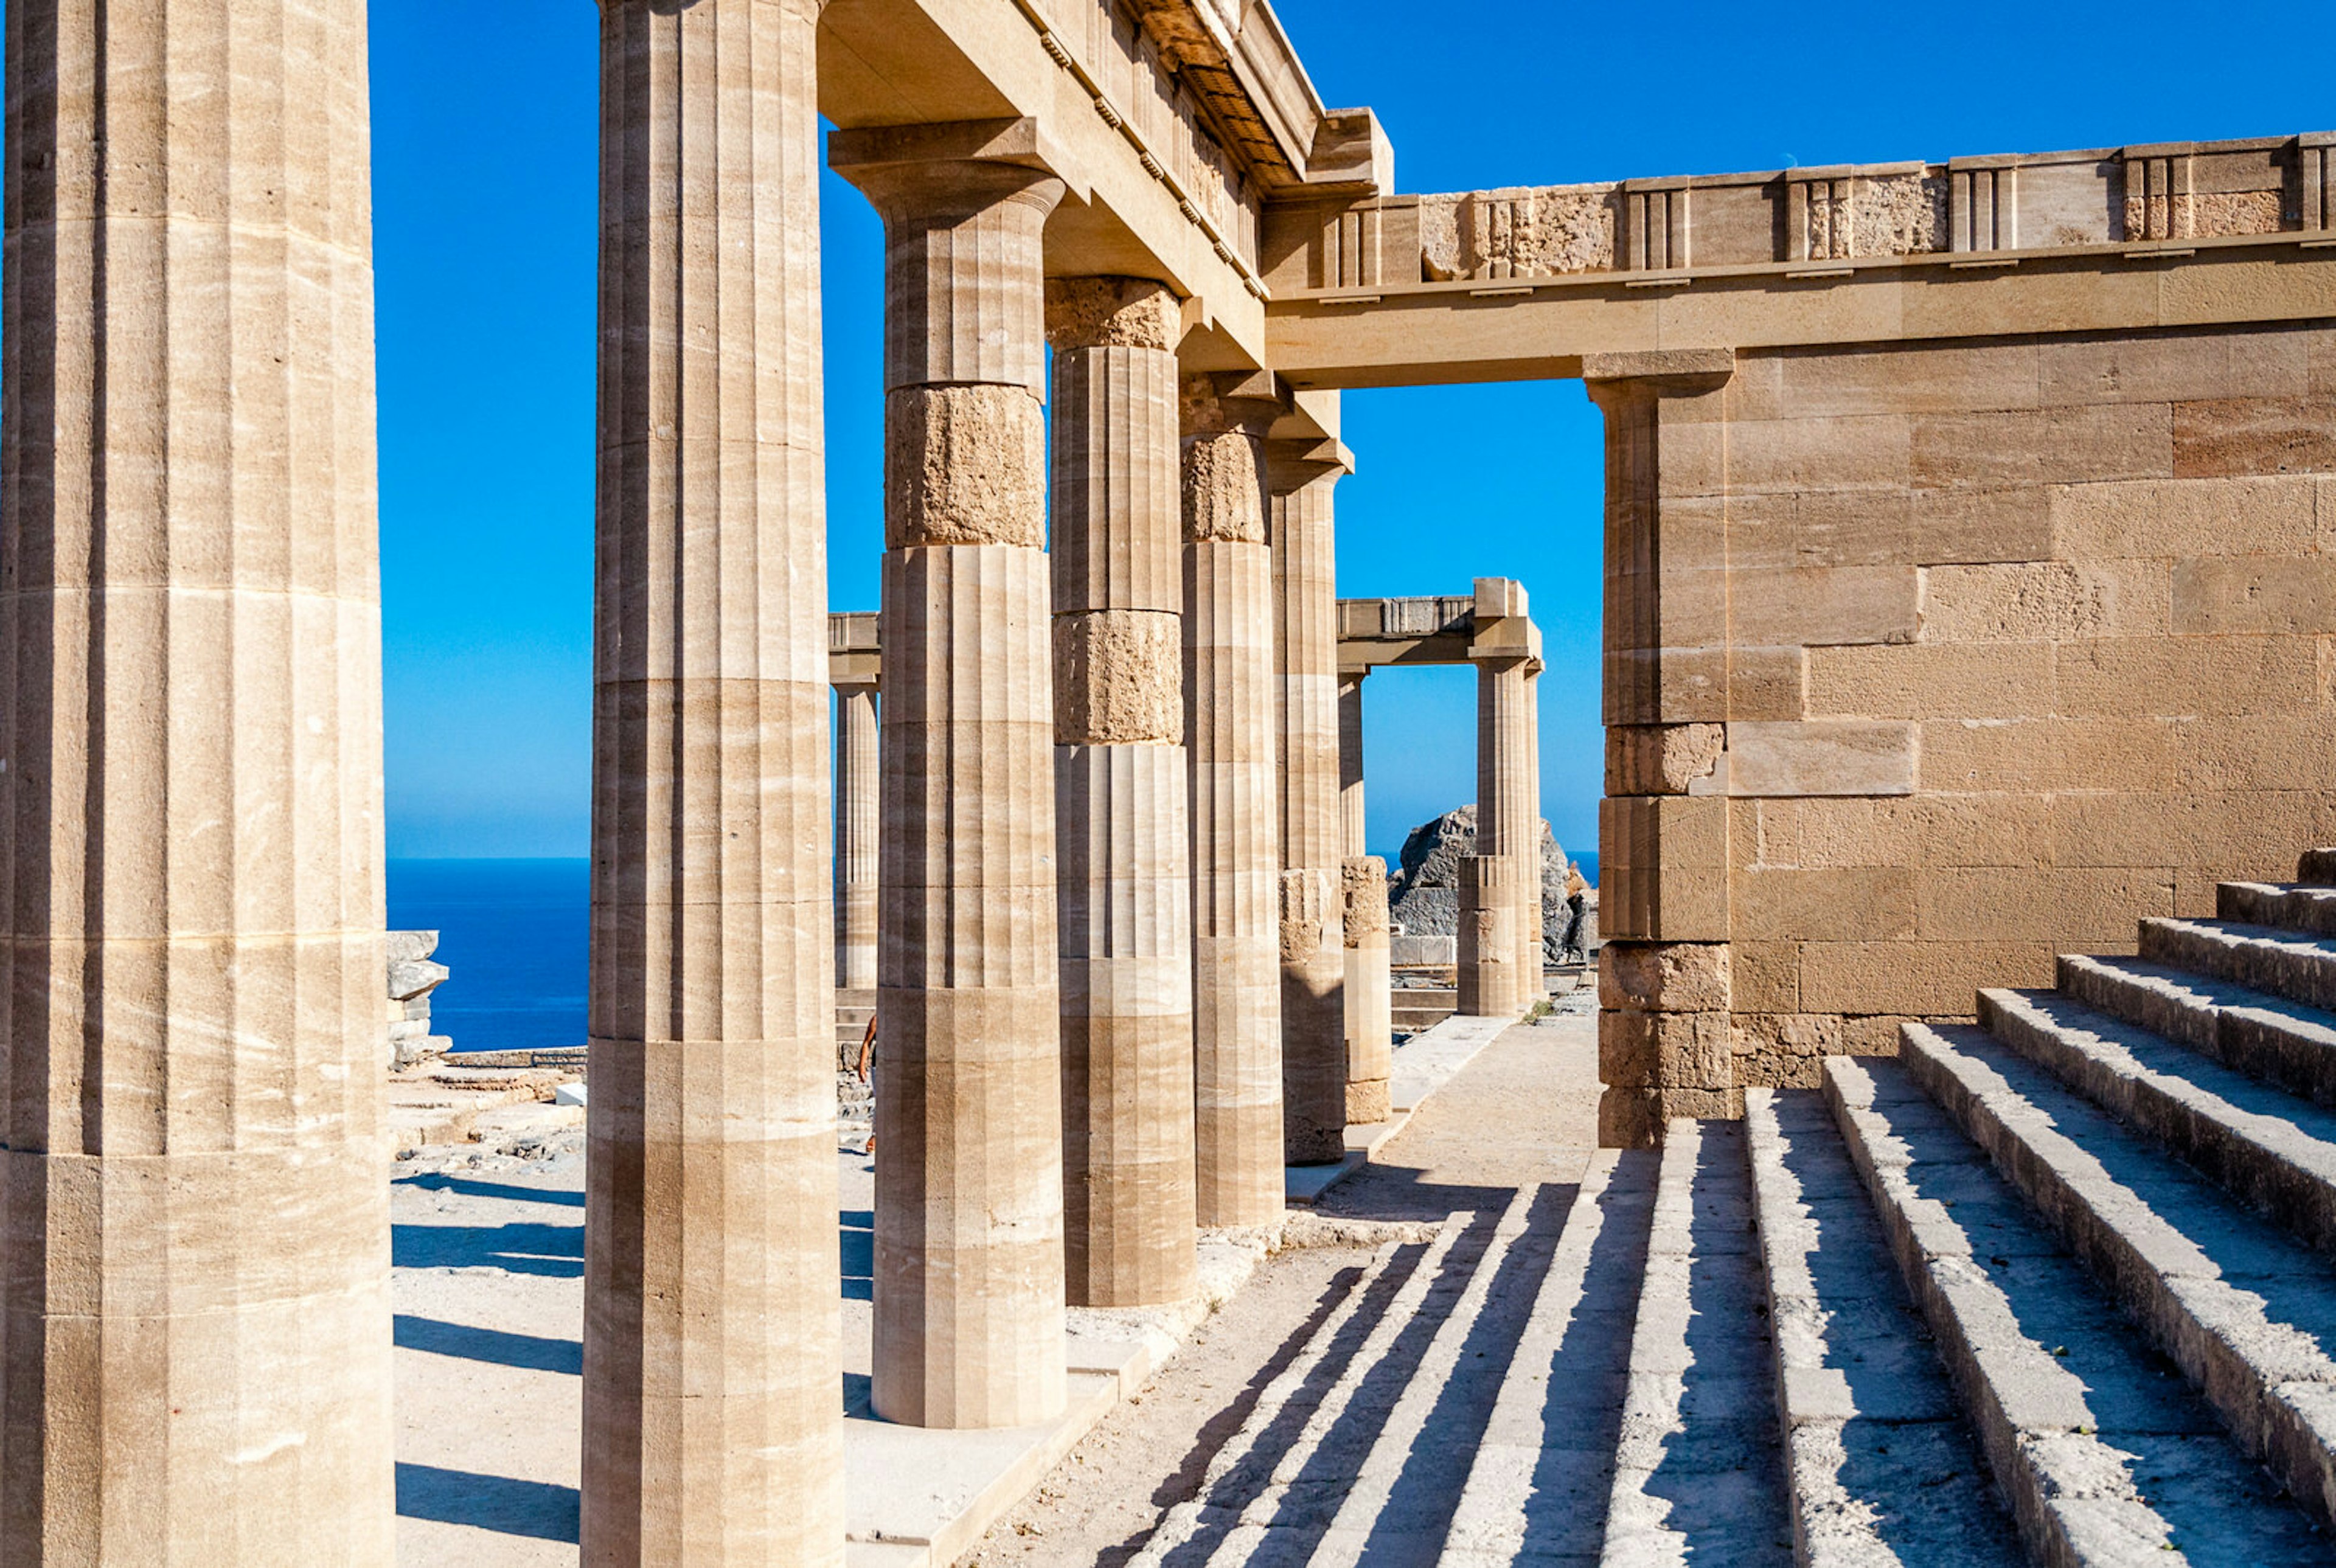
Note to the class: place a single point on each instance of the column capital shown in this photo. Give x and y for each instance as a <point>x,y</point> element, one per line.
<point>1674,371</point>
<point>1292,465</point>
<point>1233,403</point>
<point>1112,312</point>
<point>949,171</point>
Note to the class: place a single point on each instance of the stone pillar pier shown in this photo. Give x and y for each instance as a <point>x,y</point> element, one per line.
<point>1508,830</point>
<point>1665,974</point>
<point>1229,694</point>
<point>1369,985</point>
<point>856,795</point>
<point>713,1432</point>
<point>1302,477</point>
<point>1125,894</point>
<point>194,1317</point>
<point>969,1280</point>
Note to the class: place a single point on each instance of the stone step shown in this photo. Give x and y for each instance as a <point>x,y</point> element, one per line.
<point>1881,1465</point>
<point>2299,968</point>
<point>2274,1152</point>
<point>1538,1484</point>
<point>1407,1449</point>
<point>1296,1406</point>
<point>2262,1035</point>
<point>2107,1456</point>
<point>1698,1472</point>
<point>2284,906</point>
<point>2239,1306</point>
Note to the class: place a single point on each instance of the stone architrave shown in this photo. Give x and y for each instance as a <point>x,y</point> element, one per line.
<point>1125,894</point>
<point>1302,478</point>
<point>1229,694</point>
<point>856,811</point>
<point>713,1432</point>
<point>194,1208</point>
<point>969,1271</point>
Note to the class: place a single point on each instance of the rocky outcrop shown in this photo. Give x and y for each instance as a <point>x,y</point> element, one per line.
<point>412,978</point>
<point>1424,893</point>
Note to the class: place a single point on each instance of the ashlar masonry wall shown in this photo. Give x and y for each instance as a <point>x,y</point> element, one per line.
<point>1926,663</point>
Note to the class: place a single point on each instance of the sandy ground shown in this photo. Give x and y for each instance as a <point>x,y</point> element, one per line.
<point>489,1290</point>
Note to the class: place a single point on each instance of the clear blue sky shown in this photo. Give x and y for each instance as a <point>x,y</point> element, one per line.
<point>484,126</point>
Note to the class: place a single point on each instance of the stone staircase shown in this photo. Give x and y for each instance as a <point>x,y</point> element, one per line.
<point>2057,1288</point>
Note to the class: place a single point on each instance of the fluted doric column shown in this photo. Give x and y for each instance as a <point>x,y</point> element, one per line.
<point>1125,895</point>
<point>856,811</point>
<point>969,1282</point>
<point>1507,839</point>
<point>1229,693</point>
<point>1532,937</point>
<point>1369,995</point>
<point>713,1432</point>
<point>194,1306</point>
<point>1302,478</point>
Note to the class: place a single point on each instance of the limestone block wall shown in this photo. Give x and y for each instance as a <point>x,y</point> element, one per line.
<point>1926,663</point>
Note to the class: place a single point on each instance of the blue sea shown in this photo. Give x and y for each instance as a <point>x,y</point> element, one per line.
<point>514,933</point>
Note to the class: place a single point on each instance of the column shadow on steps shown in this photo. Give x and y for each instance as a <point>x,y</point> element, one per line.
<point>1411,1528</point>
<point>1310,1504</point>
<point>1909,1455</point>
<point>1724,1474</point>
<point>533,1352</point>
<point>536,1509</point>
<point>1582,1419</point>
<point>1243,1485</point>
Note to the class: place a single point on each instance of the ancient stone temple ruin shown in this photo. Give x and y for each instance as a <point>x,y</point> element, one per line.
<point>1967,600</point>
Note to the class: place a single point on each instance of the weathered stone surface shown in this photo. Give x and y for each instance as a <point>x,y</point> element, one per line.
<point>1528,231</point>
<point>1119,678</point>
<point>965,465</point>
<point>1111,312</point>
<point>1661,759</point>
<point>1224,490</point>
<point>856,813</point>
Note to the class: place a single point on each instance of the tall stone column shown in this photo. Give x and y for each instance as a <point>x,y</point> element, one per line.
<point>856,810</point>
<point>1125,897</point>
<point>969,1280</point>
<point>1507,828</point>
<point>1229,694</point>
<point>713,1432</point>
<point>1532,937</point>
<point>1371,1000</point>
<point>1302,478</point>
<point>1505,649</point>
<point>194,1317</point>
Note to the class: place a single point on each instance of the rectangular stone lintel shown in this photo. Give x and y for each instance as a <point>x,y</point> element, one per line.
<point>1716,365</point>
<point>1821,757</point>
